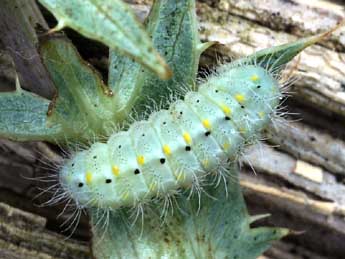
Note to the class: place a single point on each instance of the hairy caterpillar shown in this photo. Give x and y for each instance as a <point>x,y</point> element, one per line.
<point>178,147</point>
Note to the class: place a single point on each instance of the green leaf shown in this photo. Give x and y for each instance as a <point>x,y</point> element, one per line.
<point>114,24</point>
<point>83,109</point>
<point>84,105</point>
<point>125,80</point>
<point>23,117</point>
<point>219,229</point>
<point>173,28</point>
<point>276,57</point>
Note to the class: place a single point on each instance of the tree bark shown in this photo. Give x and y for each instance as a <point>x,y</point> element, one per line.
<point>299,170</point>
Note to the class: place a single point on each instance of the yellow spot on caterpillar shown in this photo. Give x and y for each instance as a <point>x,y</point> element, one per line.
<point>254,78</point>
<point>116,170</point>
<point>206,124</point>
<point>261,115</point>
<point>240,98</point>
<point>226,146</point>
<point>187,138</point>
<point>141,160</point>
<point>166,150</point>
<point>88,177</point>
<point>226,109</point>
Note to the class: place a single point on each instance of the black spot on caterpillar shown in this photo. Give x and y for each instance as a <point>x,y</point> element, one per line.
<point>176,147</point>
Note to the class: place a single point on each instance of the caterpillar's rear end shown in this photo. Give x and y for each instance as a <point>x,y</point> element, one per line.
<point>175,149</point>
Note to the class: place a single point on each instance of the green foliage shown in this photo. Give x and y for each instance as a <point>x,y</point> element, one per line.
<point>23,116</point>
<point>83,108</point>
<point>172,26</point>
<point>111,22</point>
<point>219,228</point>
<point>84,105</point>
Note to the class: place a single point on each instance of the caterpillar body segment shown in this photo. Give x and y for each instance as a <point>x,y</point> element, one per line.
<point>206,149</point>
<point>182,163</point>
<point>223,131</point>
<point>158,175</point>
<point>126,173</point>
<point>175,148</point>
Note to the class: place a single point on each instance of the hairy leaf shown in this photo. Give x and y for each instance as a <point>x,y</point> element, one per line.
<point>23,116</point>
<point>84,105</point>
<point>111,22</point>
<point>219,228</point>
<point>83,108</point>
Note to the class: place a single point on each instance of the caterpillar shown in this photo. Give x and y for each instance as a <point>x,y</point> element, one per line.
<point>175,148</point>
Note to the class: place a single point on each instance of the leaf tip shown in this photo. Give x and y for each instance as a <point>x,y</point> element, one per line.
<point>166,72</point>
<point>61,24</point>
<point>204,46</point>
<point>258,217</point>
<point>317,38</point>
<point>18,87</point>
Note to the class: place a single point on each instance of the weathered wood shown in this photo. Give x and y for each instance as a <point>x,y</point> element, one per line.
<point>296,17</point>
<point>23,235</point>
<point>18,21</point>
<point>310,144</point>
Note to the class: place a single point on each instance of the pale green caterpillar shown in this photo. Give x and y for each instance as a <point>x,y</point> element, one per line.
<point>176,148</point>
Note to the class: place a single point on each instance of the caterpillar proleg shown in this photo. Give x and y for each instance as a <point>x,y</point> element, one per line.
<point>174,148</point>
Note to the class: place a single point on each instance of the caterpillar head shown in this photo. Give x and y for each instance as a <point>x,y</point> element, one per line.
<point>86,177</point>
<point>72,181</point>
